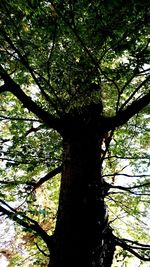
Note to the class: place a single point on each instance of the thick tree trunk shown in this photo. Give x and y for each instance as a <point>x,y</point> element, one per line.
<point>82,235</point>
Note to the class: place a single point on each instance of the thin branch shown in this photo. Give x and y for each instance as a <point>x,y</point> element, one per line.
<point>135,91</point>
<point>34,185</point>
<point>127,175</point>
<point>33,130</point>
<point>127,210</point>
<point>45,254</point>
<point>47,177</point>
<point>73,29</point>
<point>2,140</point>
<point>15,89</point>
<point>125,85</point>
<point>141,248</point>
<point>24,61</point>
<point>136,243</point>
<point>95,62</point>
<point>124,245</point>
<point>119,157</point>
<point>131,192</point>
<point>4,203</point>
<point>21,219</point>
<point>17,182</point>
<point>17,161</point>
<point>131,187</point>
<point>18,119</point>
<point>51,52</point>
<point>135,72</point>
<point>130,79</point>
<point>143,71</point>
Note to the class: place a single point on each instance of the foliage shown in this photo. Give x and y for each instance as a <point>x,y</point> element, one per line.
<point>65,55</point>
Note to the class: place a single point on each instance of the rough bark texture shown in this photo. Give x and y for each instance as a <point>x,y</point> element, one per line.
<point>82,236</point>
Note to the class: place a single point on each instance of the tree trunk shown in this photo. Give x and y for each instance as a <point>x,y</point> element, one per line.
<point>82,236</point>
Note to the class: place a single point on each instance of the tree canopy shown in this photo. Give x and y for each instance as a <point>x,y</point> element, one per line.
<point>68,66</point>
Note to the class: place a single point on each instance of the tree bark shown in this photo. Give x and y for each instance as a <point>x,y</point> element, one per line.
<point>82,235</point>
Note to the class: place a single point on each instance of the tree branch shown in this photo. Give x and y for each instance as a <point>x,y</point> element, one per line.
<point>17,162</point>
<point>136,243</point>
<point>135,91</point>
<point>131,192</point>
<point>124,115</point>
<point>45,254</point>
<point>28,103</point>
<point>47,177</point>
<point>34,185</point>
<point>119,157</point>
<point>24,61</point>
<point>34,129</point>
<point>25,221</point>
<point>13,182</point>
<point>131,187</point>
<point>125,246</point>
<point>127,175</point>
<point>18,119</point>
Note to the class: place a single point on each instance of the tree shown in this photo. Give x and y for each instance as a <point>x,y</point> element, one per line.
<point>81,71</point>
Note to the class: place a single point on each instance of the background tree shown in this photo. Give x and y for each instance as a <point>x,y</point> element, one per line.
<point>75,94</point>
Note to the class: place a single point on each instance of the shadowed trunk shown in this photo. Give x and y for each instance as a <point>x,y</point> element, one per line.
<point>82,235</point>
